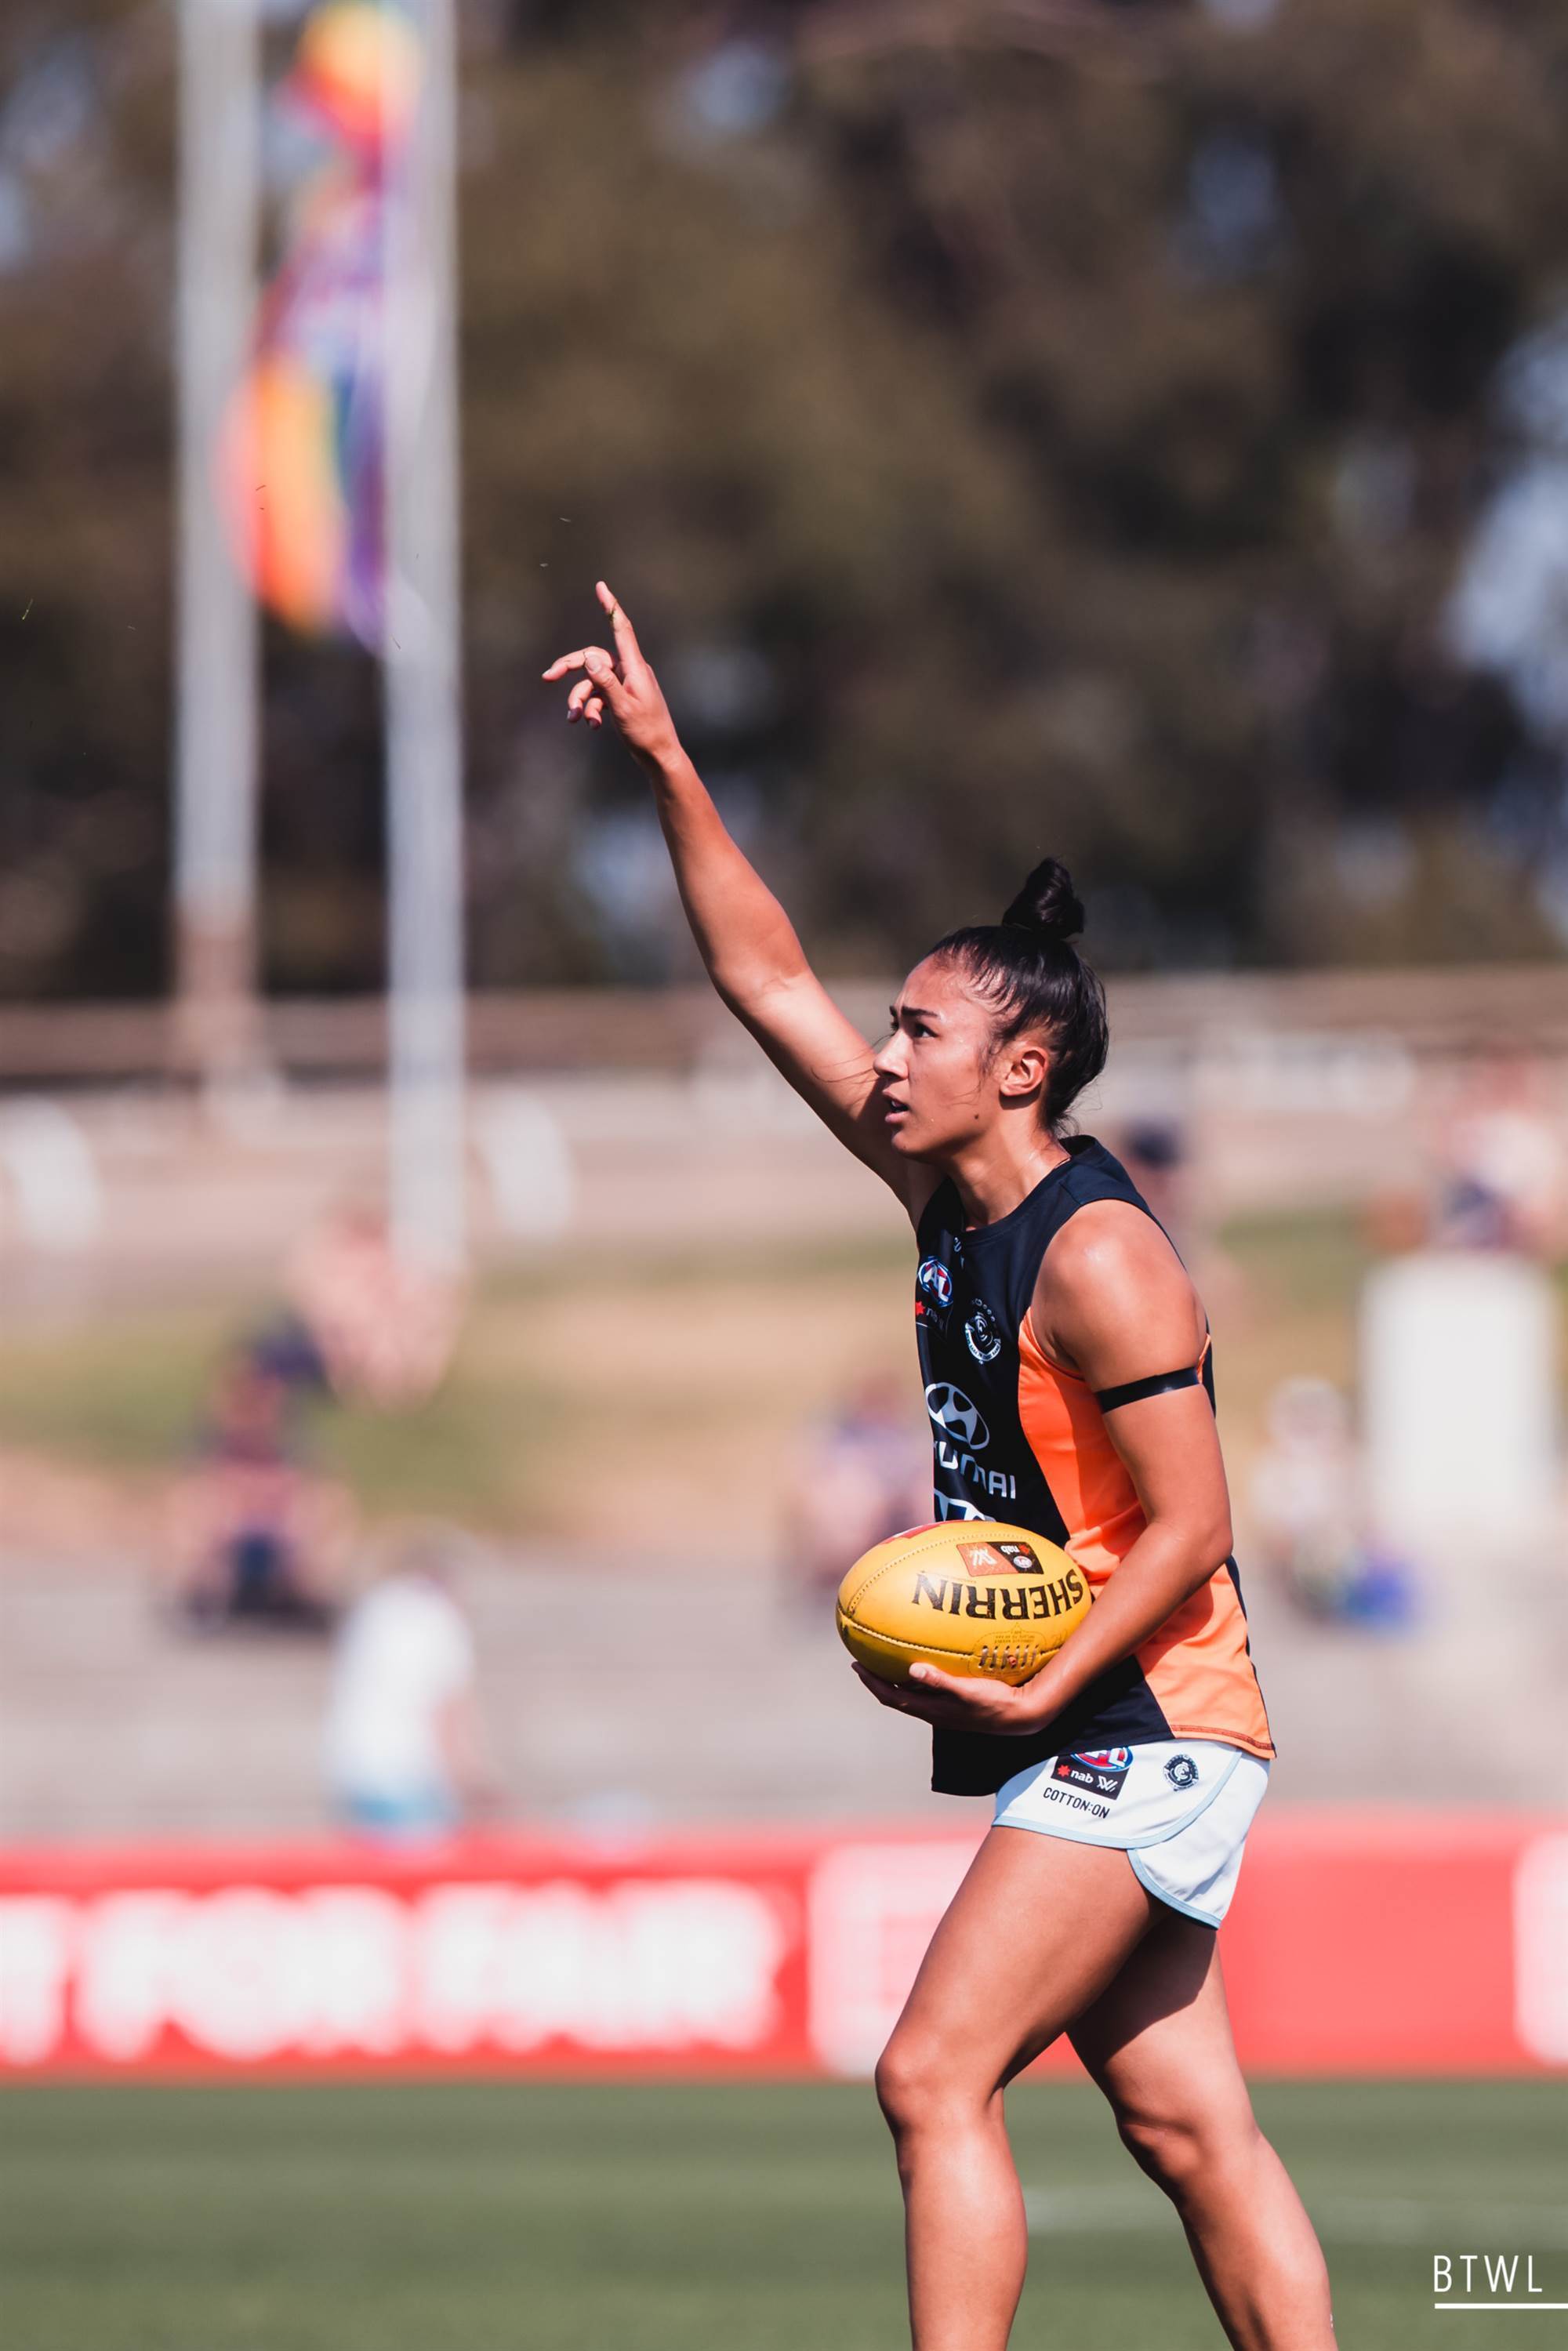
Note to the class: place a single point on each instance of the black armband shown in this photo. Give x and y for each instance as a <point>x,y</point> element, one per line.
<point>1134,1391</point>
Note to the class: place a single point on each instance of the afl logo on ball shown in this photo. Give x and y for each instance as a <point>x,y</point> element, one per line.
<point>950,1408</point>
<point>982,1337</point>
<point>1000,1558</point>
<point>934,1281</point>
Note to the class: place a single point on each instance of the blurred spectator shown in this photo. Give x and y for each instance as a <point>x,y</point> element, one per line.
<point>285,1349</point>
<point>403,1750</point>
<point>865,1473</point>
<point>1500,1162</point>
<point>1396,1221</point>
<point>1308,1513</point>
<point>258,1536</point>
<point>1154,1153</point>
<point>385,1332</point>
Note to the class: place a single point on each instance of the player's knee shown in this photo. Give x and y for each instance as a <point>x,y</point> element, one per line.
<point>1170,2149</point>
<point>1183,2153</point>
<point>912,2082</point>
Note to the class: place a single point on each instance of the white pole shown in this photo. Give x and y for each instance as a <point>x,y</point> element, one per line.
<point>215,717</point>
<point>423,714</point>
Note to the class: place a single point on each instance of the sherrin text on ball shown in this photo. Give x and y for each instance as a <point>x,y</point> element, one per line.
<point>974,1597</point>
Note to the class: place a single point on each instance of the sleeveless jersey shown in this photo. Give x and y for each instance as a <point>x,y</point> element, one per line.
<point>1020,1437</point>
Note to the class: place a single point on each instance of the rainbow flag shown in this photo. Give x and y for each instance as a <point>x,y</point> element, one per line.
<point>300,457</point>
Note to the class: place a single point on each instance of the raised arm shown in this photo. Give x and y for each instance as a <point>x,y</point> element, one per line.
<point>746,940</point>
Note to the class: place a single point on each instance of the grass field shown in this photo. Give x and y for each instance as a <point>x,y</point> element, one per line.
<point>543,2218</point>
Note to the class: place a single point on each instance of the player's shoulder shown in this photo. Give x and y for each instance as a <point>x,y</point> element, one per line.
<point>1111,1240</point>
<point>1111,1281</point>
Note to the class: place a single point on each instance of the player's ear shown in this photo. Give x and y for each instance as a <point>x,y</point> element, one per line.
<point>1024,1070</point>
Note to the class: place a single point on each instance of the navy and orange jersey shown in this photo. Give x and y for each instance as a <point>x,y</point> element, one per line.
<point>1021,1437</point>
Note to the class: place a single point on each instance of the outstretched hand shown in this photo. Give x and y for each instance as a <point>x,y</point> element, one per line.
<point>968,1702</point>
<point>623,684</point>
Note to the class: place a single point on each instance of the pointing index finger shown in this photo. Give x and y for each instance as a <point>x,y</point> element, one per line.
<point>626,643</point>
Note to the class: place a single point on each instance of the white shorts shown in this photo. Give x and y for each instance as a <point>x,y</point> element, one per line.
<point>1178,1808</point>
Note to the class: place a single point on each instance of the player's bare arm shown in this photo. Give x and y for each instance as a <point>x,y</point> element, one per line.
<point>746,940</point>
<point>1114,1304</point>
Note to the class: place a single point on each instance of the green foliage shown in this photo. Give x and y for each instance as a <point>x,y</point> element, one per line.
<point>1075,419</point>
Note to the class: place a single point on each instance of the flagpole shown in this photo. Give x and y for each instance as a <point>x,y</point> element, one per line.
<point>216,725</point>
<point>421,676</point>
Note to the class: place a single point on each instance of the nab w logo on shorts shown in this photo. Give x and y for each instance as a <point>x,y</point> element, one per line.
<point>1101,1770</point>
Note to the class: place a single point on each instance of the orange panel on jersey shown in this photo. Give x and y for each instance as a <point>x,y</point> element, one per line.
<point>1197,1665</point>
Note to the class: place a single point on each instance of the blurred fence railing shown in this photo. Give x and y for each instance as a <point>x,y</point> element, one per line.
<point>630,1118</point>
<point>676,1029</point>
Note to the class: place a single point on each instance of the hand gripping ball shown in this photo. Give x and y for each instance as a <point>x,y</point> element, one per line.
<point>971,1596</point>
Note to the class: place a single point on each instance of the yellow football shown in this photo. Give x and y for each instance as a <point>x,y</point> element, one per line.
<point>971,1596</point>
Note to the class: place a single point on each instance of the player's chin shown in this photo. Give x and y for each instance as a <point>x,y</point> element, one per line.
<point>907,1136</point>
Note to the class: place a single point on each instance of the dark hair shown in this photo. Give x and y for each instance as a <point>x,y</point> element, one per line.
<point>1027,970</point>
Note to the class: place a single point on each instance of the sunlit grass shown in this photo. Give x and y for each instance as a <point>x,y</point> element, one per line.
<point>687,2218</point>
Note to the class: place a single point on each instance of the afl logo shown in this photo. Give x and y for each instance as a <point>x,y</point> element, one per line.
<point>950,1409</point>
<point>982,1337</point>
<point>935,1280</point>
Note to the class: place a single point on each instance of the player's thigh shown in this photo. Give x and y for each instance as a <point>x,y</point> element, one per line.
<point>1034,1934</point>
<point>1157,2041</point>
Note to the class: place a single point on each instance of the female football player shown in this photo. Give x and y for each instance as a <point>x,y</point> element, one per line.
<point>1066,1362</point>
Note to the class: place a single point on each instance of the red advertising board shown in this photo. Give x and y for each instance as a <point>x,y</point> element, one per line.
<point>1358,1944</point>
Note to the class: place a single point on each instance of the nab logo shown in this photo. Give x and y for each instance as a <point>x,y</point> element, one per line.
<point>951,1409</point>
<point>1100,1771</point>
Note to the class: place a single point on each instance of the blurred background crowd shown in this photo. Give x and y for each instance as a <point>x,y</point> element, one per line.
<point>1119,430</point>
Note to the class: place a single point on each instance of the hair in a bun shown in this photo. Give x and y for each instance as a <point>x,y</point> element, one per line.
<point>1027,970</point>
<point>1048,902</point>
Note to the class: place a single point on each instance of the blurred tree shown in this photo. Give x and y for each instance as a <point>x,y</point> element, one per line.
<point>1014,424</point>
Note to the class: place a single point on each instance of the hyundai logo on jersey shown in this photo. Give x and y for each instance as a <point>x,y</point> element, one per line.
<point>1101,1770</point>
<point>951,1409</point>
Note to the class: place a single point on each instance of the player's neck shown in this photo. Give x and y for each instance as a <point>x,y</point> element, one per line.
<point>996,1175</point>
